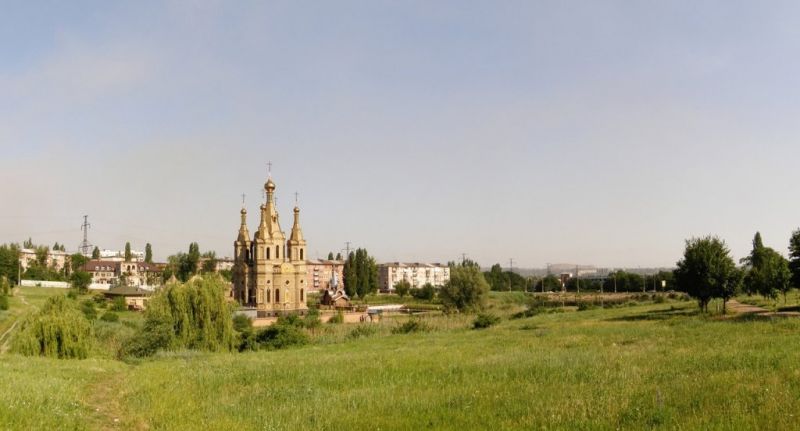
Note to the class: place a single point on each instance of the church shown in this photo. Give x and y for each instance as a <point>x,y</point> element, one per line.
<point>269,271</point>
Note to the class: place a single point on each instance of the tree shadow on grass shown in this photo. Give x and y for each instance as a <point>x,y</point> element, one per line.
<point>665,314</point>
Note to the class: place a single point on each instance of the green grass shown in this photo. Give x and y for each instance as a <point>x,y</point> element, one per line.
<point>634,367</point>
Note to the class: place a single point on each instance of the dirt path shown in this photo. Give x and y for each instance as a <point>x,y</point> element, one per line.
<point>6,337</point>
<point>739,308</point>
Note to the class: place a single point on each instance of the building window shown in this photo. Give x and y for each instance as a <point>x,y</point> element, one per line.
<point>262,251</point>
<point>277,295</point>
<point>277,252</point>
<point>301,254</point>
<point>301,295</point>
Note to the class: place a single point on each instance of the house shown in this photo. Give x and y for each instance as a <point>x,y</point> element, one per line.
<point>136,298</point>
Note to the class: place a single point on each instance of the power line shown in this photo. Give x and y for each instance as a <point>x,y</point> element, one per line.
<point>85,247</point>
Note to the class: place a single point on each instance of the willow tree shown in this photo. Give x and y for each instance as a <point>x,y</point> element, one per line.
<point>58,330</point>
<point>197,314</point>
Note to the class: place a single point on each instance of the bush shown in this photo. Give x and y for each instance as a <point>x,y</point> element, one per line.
<point>88,310</point>
<point>659,299</point>
<point>425,293</point>
<point>584,306</point>
<point>280,336</point>
<point>58,330</point>
<point>118,304</point>
<point>364,330</point>
<point>242,323</point>
<point>485,320</point>
<point>337,318</point>
<point>402,288</point>
<point>3,302</point>
<point>110,316</point>
<point>72,293</point>
<point>312,319</point>
<point>530,312</point>
<point>155,335</point>
<point>413,325</point>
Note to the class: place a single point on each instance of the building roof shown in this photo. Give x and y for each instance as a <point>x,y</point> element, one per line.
<point>127,291</point>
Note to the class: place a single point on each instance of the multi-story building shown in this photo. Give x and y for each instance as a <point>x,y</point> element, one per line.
<point>320,273</point>
<point>119,256</point>
<point>417,274</point>
<point>56,259</point>
<point>134,273</point>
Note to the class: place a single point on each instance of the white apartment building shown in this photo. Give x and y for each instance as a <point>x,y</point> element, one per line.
<point>417,274</point>
<point>55,259</point>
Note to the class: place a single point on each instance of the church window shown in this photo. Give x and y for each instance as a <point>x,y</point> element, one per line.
<point>277,252</point>
<point>290,253</point>
<point>268,295</point>
<point>267,252</point>
<point>277,295</point>
<point>301,295</point>
<point>301,254</point>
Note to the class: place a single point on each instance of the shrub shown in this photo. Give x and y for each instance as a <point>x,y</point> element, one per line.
<point>364,330</point>
<point>242,323</point>
<point>280,336</point>
<point>155,335</point>
<point>118,304</point>
<point>402,288</point>
<point>412,325</point>
<point>110,316</point>
<point>659,299</point>
<point>3,302</point>
<point>58,330</point>
<point>583,306</point>
<point>71,293</point>
<point>485,320</point>
<point>530,312</point>
<point>312,319</point>
<point>425,293</point>
<point>466,290</point>
<point>87,307</point>
<point>337,318</point>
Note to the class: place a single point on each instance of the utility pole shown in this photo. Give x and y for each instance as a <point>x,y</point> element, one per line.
<point>463,259</point>
<point>85,248</point>
<point>347,249</point>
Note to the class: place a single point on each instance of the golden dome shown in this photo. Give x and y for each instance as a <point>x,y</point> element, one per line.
<point>269,185</point>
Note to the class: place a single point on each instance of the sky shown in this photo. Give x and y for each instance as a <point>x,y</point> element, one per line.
<point>591,132</point>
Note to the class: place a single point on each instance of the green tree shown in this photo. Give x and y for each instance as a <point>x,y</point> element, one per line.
<point>794,257</point>
<point>402,288</point>
<point>707,271</point>
<point>466,290</point>
<point>350,275</point>
<point>330,255</point>
<point>96,253</point>
<point>127,252</point>
<point>338,256</point>
<point>77,261</point>
<point>148,253</point>
<point>80,280</point>
<point>9,262</point>
<point>767,272</point>
<point>196,315</point>
<point>58,330</point>
<point>209,262</point>
<point>28,243</point>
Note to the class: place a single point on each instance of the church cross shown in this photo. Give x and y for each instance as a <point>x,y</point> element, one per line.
<point>269,168</point>
<point>243,195</point>
<point>296,197</point>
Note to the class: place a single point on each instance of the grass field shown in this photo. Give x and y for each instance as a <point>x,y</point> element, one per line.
<point>632,367</point>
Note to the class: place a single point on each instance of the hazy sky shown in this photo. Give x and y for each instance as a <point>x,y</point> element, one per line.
<point>596,132</point>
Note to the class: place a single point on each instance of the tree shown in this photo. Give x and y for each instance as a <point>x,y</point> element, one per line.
<point>338,256</point>
<point>56,247</point>
<point>707,271</point>
<point>402,288</point>
<point>80,280</point>
<point>77,261</point>
<point>350,275</point>
<point>58,330</point>
<point>209,262</point>
<point>9,262</point>
<point>794,257</point>
<point>127,252</point>
<point>148,253</point>
<point>28,243</point>
<point>96,253</point>
<point>466,290</point>
<point>767,272</point>
<point>330,255</point>
<point>360,274</point>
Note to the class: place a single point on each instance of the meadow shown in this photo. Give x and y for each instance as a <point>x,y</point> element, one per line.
<point>646,365</point>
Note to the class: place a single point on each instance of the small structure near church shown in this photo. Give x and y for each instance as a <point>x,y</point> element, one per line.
<point>334,295</point>
<point>135,297</point>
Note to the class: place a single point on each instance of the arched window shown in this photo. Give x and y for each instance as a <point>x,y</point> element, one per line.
<point>301,254</point>
<point>290,254</point>
<point>277,252</point>
<point>301,295</point>
<point>277,295</point>
<point>268,295</point>
<point>267,252</point>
